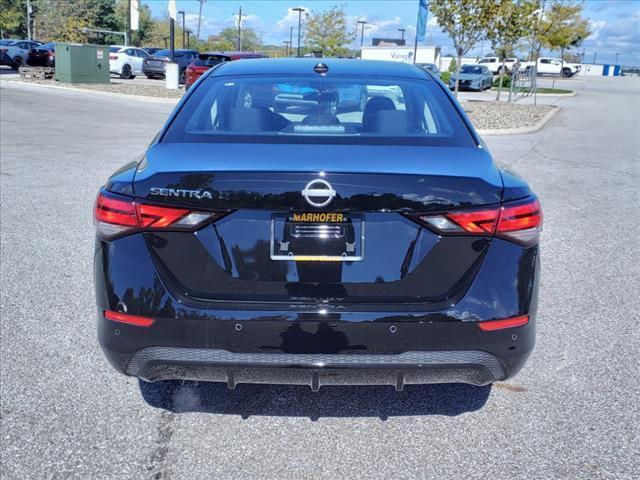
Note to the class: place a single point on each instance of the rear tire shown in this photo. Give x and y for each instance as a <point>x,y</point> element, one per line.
<point>125,73</point>
<point>183,77</point>
<point>17,63</point>
<point>150,77</point>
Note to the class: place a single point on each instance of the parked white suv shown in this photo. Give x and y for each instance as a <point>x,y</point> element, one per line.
<point>494,64</point>
<point>552,66</point>
<point>126,61</point>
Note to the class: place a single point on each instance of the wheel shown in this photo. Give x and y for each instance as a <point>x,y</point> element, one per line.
<point>132,77</point>
<point>183,77</point>
<point>17,63</point>
<point>158,394</point>
<point>566,72</point>
<point>150,77</point>
<point>125,73</point>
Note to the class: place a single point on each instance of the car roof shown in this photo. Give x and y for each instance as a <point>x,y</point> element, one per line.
<point>337,66</point>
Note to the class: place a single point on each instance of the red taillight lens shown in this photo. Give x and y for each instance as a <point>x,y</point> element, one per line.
<point>118,215</point>
<point>492,325</point>
<point>152,216</point>
<point>113,57</point>
<point>136,320</point>
<point>521,222</point>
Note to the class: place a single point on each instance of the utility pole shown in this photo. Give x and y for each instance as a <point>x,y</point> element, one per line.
<point>299,10</point>
<point>181,12</point>
<point>128,39</point>
<point>240,29</point>
<point>290,40</point>
<point>402,30</point>
<point>595,54</point>
<point>28,19</point>
<point>199,18</point>
<point>617,55</point>
<point>188,38</point>
<point>363,23</point>
<point>286,47</point>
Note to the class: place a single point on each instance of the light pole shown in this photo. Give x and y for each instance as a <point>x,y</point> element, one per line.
<point>290,40</point>
<point>299,10</point>
<point>617,55</point>
<point>188,38</point>
<point>363,23</point>
<point>286,47</point>
<point>181,12</point>
<point>402,30</point>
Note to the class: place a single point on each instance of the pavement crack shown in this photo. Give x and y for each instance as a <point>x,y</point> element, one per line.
<point>158,456</point>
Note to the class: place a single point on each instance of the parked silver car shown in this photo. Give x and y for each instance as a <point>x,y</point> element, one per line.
<point>473,77</point>
<point>14,53</point>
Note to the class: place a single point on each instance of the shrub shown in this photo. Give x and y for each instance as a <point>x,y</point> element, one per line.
<point>445,76</point>
<point>506,81</point>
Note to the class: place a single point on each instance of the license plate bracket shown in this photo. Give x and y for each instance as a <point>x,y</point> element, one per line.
<point>317,237</point>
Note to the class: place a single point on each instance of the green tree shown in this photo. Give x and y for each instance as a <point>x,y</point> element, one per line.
<point>568,28</point>
<point>514,19</point>
<point>466,22</point>
<point>327,32</point>
<point>145,22</point>
<point>12,17</point>
<point>250,39</point>
<point>64,21</point>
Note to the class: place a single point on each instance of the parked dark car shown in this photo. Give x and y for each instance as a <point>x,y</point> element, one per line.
<point>14,52</point>
<point>205,61</point>
<point>154,65</point>
<point>152,50</point>
<point>381,246</point>
<point>43,56</point>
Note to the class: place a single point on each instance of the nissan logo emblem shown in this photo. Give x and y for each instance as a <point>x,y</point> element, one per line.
<point>318,193</point>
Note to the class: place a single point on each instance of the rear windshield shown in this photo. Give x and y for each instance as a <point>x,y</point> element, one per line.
<point>210,61</point>
<point>314,109</point>
<point>115,49</point>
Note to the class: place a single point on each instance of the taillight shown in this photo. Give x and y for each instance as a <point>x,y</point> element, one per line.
<point>116,215</point>
<point>113,57</point>
<point>521,221</point>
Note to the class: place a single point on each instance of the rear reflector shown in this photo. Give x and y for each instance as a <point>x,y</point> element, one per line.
<point>491,325</point>
<point>116,215</point>
<point>128,319</point>
<point>520,221</point>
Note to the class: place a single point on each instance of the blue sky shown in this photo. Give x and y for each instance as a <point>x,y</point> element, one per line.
<point>615,23</point>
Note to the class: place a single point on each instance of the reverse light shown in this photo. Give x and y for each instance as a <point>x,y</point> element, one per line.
<point>116,215</point>
<point>136,320</point>
<point>492,325</point>
<point>521,222</point>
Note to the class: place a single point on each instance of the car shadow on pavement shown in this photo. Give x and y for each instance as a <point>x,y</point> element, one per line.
<point>331,401</point>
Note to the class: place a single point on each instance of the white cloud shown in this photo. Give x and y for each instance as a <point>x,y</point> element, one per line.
<point>290,19</point>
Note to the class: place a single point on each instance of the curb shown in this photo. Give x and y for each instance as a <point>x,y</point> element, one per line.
<point>518,131</point>
<point>143,98</point>
<point>572,94</point>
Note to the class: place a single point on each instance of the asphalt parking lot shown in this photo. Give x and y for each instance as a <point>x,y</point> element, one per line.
<point>571,413</point>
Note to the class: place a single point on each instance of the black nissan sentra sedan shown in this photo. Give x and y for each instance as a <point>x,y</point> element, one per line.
<point>378,243</point>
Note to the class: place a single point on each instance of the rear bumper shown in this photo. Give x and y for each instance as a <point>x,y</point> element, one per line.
<point>149,70</point>
<point>315,370</point>
<point>259,343</point>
